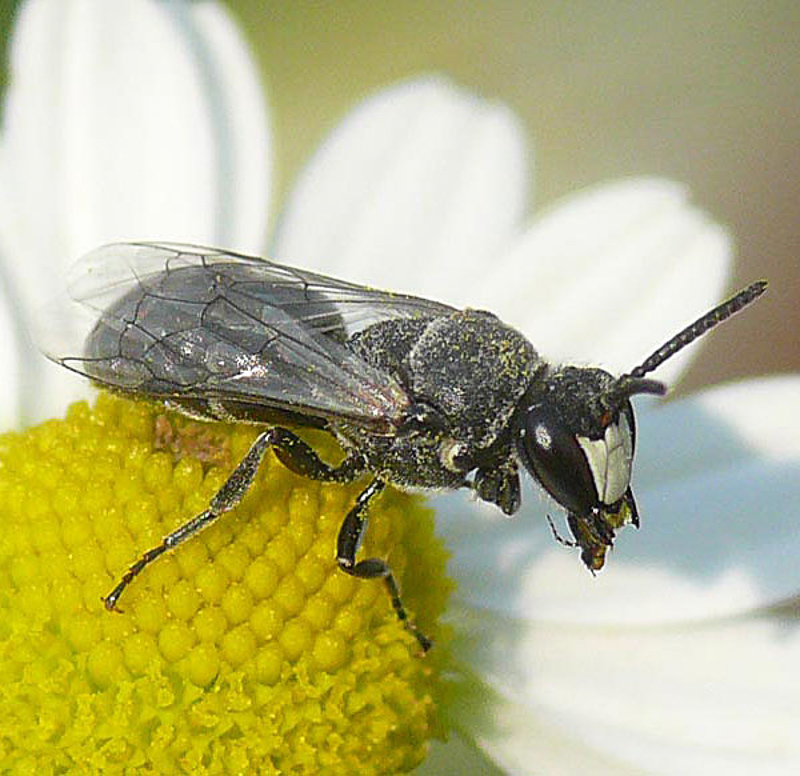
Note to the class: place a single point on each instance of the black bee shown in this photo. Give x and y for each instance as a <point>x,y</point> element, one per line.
<point>419,394</point>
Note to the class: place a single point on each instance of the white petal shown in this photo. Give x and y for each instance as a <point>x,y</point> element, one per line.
<point>714,699</point>
<point>523,741</point>
<point>717,427</point>
<point>242,133</point>
<point>720,545</point>
<point>11,385</point>
<point>611,273</point>
<point>122,121</point>
<point>418,187</point>
<point>456,756</point>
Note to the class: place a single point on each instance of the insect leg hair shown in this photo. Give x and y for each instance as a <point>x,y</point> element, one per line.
<point>350,536</point>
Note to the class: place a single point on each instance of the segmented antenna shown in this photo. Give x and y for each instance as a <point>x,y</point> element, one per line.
<point>634,381</point>
<point>697,329</point>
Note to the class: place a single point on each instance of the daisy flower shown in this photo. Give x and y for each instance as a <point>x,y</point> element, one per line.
<point>676,659</point>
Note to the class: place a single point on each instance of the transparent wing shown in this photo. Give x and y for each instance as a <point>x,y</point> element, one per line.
<point>165,320</point>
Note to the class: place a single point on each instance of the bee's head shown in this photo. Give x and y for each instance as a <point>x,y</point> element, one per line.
<point>576,435</point>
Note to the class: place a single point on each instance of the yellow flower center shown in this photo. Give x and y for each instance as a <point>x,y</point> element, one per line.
<point>245,650</point>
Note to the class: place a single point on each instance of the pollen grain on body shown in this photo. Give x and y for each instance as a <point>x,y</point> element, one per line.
<point>245,649</point>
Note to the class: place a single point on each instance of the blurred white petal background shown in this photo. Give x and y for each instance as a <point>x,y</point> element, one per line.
<point>705,93</point>
<point>125,120</point>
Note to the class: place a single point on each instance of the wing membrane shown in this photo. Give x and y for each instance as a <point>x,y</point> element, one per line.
<point>166,320</point>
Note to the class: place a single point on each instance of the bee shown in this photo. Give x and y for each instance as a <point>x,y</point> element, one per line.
<point>418,394</point>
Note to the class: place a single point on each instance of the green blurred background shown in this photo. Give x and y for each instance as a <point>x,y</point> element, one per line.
<point>706,92</point>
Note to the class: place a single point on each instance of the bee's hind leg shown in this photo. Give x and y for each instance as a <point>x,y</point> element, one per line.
<point>293,453</point>
<point>299,457</point>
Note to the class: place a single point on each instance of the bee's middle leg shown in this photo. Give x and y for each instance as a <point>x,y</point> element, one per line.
<point>351,535</point>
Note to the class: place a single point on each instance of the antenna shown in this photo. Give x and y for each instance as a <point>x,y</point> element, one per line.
<point>633,382</point>
<point>697,329</point>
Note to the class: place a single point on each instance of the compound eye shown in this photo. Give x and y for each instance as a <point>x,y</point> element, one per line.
<point>553,455</point>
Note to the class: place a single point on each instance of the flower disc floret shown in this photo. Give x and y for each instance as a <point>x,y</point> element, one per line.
<point>244,650</point>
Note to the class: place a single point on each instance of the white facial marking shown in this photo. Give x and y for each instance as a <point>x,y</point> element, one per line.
<point>610,460</point>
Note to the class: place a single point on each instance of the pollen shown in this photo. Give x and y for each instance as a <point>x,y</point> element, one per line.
<point>245,649</point>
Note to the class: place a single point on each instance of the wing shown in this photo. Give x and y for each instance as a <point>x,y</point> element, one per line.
<point>185,322</point>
